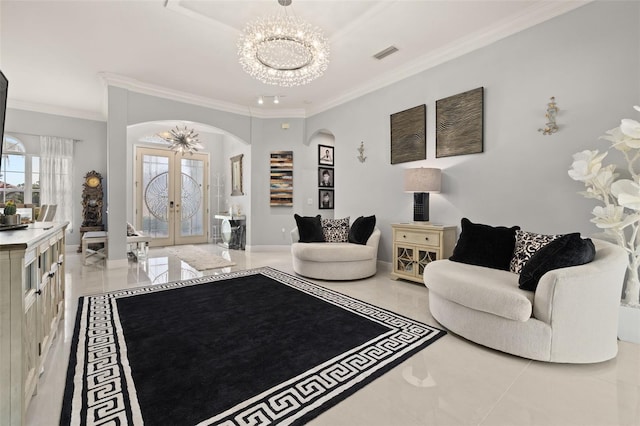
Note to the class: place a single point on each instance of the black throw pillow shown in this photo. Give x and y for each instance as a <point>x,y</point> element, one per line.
<point>568,250</point>
<point>309,229</point>
<point>361,229</point>
<point>484,245</point>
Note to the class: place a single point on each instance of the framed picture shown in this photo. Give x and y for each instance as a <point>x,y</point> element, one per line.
<point>281,178</point>
<point>459,124</point>
<point>325,155</point>
<point>408,135</point>
<point>236,175</point>
<point>325,177</point>
<point>325,199</point>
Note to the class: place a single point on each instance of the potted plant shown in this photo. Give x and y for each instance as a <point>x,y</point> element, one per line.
<point>619,216</point>
<point>10,216</point>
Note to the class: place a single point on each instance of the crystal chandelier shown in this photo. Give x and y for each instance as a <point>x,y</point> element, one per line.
<point>182,140</point>
<point>283,50</point>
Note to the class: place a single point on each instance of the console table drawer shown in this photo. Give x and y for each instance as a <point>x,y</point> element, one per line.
<point>423,238</point>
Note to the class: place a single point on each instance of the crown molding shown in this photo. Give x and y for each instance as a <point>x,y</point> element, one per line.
<point>137,86</point>
<point>116,80</point>
<point>55,110</point>
<point>530,17</point>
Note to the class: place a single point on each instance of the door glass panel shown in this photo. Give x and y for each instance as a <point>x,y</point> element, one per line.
<point>191,197</point>
<point>155,206</point>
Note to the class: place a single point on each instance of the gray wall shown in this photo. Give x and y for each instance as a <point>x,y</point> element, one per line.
<point>269,222</point>
<point>91,149</point>
<point>126,108</point>
<point>588,59</point>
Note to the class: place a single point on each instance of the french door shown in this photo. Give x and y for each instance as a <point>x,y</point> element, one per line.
<point>172,196</point>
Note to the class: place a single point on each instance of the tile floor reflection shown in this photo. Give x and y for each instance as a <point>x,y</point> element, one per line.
<point>451,382</point>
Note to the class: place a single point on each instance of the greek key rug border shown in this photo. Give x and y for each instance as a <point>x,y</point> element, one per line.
<point>104,387</point>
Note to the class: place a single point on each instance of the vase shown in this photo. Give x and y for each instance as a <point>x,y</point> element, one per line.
<point>629,323</point>
<point>12,219</point>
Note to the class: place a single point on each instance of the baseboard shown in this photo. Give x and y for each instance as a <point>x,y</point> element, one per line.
<point>271,248</point>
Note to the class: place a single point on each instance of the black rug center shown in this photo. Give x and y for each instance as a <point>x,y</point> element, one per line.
<point>209,347</point>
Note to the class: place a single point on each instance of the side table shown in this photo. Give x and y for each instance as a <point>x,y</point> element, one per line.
<point>416,244</point>
<point>233,230</point>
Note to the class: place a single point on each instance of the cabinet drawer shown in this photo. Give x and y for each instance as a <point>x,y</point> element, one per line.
<point>422,238</point>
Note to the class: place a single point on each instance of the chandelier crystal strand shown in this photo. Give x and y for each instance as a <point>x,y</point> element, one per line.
<point>283,51</point>
<point>182,140</point>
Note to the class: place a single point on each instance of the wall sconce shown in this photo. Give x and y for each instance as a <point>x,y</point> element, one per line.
<point>422,181</point>
<point>550,126</point>
<point>361,157</point>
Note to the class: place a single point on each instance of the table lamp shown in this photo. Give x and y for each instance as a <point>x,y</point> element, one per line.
<point>421,182</point>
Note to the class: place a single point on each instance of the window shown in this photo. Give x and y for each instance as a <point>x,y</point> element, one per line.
<point>20,174</point>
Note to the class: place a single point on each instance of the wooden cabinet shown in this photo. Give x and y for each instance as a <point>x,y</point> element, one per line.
<point>415,245</point>
<point>31,306</point>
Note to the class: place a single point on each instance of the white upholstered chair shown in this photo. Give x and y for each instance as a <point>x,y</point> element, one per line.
<point>335,261</point>
<point>572,317</point>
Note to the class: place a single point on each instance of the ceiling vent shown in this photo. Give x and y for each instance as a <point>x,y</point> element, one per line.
<point>386,52</point>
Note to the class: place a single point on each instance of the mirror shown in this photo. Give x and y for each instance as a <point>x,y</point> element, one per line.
<point>236,175</point>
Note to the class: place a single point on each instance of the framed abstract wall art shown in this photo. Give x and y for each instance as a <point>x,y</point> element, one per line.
<point>281,179</point>
<point>408,135</point>
<point>460,123</point>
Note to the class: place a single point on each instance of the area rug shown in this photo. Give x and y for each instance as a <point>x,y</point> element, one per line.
<point>250,347</point>
<point>198,258</point>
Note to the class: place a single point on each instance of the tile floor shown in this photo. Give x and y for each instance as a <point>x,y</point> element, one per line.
<point>451,382</point>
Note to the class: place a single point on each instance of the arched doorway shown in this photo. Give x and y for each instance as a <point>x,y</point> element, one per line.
<point>175,197</point>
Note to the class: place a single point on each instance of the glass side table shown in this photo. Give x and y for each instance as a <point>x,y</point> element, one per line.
<point>232,230</point>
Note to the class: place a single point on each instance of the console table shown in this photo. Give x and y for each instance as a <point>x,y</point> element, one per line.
<point>32,286</point>
<point>416,244</point>
<point>233,230</point>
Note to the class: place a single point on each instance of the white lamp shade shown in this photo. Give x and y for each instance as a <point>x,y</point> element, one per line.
<point>422,180</point>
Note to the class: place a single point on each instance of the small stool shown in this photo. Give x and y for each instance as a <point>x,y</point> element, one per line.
<point>95,237</point>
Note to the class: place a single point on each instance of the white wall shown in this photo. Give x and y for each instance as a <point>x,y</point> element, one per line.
<point>589,59</point>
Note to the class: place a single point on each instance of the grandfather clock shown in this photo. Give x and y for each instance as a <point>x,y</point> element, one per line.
<point>91,204</point>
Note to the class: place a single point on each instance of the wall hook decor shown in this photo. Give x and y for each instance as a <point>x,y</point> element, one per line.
<point>550,126</point>
<point>361,157</point>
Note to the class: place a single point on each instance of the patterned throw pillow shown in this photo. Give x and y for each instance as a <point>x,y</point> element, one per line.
<point>336,230</point>
<point>527,244</point>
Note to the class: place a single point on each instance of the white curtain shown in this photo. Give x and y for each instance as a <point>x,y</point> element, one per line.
<point>56,176</point>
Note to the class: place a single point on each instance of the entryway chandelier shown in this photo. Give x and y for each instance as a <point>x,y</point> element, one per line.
<point>283,50</point>
<point>182,140</point>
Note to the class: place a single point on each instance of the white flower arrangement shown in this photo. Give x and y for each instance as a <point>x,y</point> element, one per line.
<point>620,215</point>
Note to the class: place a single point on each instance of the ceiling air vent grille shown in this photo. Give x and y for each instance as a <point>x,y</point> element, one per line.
<point>386,52</point>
